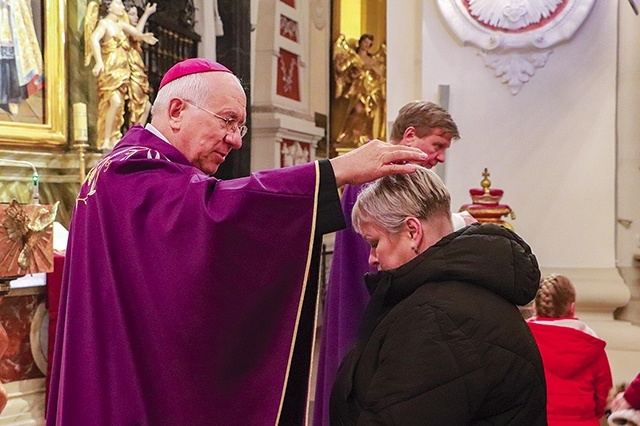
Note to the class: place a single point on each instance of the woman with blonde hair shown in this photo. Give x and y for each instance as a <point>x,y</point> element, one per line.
<point>441,341</point>
<point>575,363</point>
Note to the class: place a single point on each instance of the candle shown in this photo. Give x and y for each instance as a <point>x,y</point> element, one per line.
<point>80,132</point>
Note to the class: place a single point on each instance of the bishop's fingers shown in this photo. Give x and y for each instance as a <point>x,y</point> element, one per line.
<point>403,155</point>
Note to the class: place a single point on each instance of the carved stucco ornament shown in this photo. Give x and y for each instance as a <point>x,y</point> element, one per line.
<point>514,37</point>
<point>319,13</point>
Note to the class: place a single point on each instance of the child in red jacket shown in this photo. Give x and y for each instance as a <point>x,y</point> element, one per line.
<point>575,364</point>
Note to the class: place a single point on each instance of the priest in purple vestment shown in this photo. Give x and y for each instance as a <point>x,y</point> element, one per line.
<point>182,295</point>
<point>419,124</point>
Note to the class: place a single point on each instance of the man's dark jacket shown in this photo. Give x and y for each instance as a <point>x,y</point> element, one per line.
<point>442,341</point>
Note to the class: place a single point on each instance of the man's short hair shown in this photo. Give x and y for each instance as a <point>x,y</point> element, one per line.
<point>388,201</point>
<point>425,117</point>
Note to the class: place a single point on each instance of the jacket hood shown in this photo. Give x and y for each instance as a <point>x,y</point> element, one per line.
<point>571,349</point>
<point>486,255</point>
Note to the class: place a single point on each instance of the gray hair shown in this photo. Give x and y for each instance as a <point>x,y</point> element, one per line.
<point>191,87</point>
<point>388,201</point>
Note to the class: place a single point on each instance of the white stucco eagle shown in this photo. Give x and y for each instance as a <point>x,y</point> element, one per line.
<point>512,14</point>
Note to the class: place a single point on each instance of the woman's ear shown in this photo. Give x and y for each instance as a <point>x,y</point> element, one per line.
<point>414,229</point>
<point>571,309</point>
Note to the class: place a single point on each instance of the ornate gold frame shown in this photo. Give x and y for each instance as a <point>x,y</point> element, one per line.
<point>54,131</point>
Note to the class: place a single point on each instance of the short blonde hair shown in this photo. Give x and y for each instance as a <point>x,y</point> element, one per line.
<point>388,201</point>
<point>555,295</point>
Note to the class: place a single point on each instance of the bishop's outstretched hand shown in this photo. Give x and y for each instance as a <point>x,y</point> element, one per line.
<point>374,160</point>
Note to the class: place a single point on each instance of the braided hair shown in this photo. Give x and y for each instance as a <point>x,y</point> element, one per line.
<point>555,294</point>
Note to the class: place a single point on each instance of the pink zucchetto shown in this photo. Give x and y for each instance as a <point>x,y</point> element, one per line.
<point>191,66</point>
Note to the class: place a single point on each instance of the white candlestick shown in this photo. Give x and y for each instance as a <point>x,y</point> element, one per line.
<point>80,132</point>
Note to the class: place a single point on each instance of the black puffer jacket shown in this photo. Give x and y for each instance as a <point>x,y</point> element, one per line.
<point>442,341</point>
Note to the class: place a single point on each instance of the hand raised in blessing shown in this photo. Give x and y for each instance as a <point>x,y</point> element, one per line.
<point>374,160</point>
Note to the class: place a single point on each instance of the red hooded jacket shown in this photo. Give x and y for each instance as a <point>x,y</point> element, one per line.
<point>576,369</point>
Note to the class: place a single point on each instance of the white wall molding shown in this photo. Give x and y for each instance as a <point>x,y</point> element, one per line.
<point>514,37</point>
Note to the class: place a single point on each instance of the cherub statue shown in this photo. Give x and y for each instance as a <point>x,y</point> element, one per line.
<point>109,42</point>
<point>361,79</point>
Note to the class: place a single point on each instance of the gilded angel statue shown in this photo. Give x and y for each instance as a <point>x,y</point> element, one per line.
<point>111,41</point>
<point>23,239</point>
<point>139,105</point>
<point>360,78</point>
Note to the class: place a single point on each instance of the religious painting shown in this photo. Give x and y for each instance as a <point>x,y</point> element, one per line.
<point>32,75</point>
<point>291,3</point>
<point>288,75</point>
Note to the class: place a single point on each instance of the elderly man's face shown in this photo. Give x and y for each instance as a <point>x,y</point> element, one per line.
<point>205,138</point>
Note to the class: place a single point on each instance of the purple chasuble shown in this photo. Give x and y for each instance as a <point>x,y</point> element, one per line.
<point>345,302</point>
<point>181,293</point>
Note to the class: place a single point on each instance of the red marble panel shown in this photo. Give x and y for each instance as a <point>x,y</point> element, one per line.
<point>16,315</point>
<point>288,28</point>
<point>291,3</point>
<point>288,75</point>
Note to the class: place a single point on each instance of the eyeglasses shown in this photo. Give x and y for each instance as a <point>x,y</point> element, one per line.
<point>230,123</point>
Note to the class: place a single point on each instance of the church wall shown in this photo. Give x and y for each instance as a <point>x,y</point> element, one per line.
<point>404,56</point>
<point>319,44</point>
<point>628,237</point>
<point>551,148</point>
<point>205,26</point>
<point>628,160</point>
<point>284,131</point>
<point>319,60</point>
